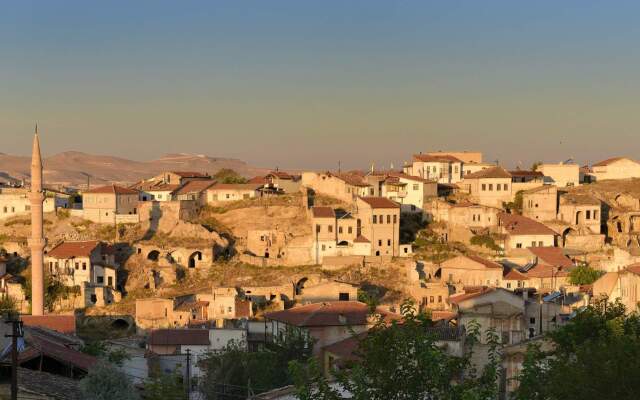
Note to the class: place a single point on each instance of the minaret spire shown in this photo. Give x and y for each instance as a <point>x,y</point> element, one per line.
<point>37,241</point>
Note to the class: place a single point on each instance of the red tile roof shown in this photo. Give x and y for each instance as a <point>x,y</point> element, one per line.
<point>73,249</point>
<point>361,239</point>
<point>398,175</point>
<point>337,313</point>
<point>489,173</point>
<point>470,294</point>
<point>280,174</point>
<point>162,337</point>
<point>195,187</point>
<point>518,225</point>
<point>60,323</point>
<point>352,179</point>
<point>512,274</point>
<point>522,173</point>
<point>346,349</point>
<point>548,271</point>
<point>40,346</point>
<point>380,202</point>
<point>634,268</point>
<point>259,180</point>
<point>551,256</point>
<point>112,189</point>
<point>323,212</point>
<point>436,158</point>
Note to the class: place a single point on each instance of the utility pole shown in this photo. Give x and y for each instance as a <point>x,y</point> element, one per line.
<point>188,374</point>
<point>16,332</point>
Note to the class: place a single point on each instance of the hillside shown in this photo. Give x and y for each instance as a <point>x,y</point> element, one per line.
<point>72,167</point>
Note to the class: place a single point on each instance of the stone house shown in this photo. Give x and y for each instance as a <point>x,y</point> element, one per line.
<point>472,167</point>
<point>327,291</point>
<point>561,174</point>
<point>195,191</point>
<point>225,192</point>
<point>471,270</point>
<point>179,177</point>
<point>581,211</point>
<point>490,187</point>
<point>540,203</point>
<point>443,168</point>
<point>280,181</point>
<point>522,180</point>
<point>616,168</point>
<point>412,192</point>
<point>15,202</point>
<point>343,186</point>
<point>467,157</point>
<point>104,204</point>
<point>496,308</point>
<point>378,221</point>
<point>548,268</point>
<point>157,191</point>
<point>522,232</point>
<point>76,263</point>
<point>266,243</point>
<point>623,285</point>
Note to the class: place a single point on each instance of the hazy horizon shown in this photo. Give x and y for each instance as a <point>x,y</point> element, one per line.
<point>306,85</point>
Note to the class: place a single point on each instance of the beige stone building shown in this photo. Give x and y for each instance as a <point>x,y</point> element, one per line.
<point>443,168</point>
<point>561,174</point>
<point>616,168</point>
<point>179,177</point>
<point>280,181</point>
<point>582,211</point>
<point>105,203</point>
<point>379,222</point>
<point>412,192</point>
<point>522,232</point>
<point>343,186</point>
<point>195,191</point>
<point>327,291</point>
<point>471,271</point>
<point>221,193</point>
<point>548,268</point>
<point>467,157</point>
<point>489,187</point>
<point>14,202</point>
<point>540,203</point>
<point>623,285</point>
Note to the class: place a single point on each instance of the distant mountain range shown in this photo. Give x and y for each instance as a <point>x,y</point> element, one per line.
<point>73,167</point>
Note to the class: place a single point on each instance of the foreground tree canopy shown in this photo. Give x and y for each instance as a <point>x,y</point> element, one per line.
<point>596,356</point>
<point>402,361</point>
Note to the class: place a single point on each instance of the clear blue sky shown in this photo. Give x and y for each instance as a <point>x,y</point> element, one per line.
<point>304,84</point>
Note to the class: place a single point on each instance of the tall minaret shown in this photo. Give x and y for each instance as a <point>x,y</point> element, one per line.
<point>37,241</point>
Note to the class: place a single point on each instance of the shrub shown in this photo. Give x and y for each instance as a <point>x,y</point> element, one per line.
<point>105,382</point>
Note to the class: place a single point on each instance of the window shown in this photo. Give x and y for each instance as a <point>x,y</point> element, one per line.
<point>533,244</point>
<point>439,299</point>
<point>491,187</point>
<point>532,321</point>
<point>388,219</point>
<point>350,230</point>
<point>318,228</point>
<point>388,242</point>
<point>588,214</point>
<point>330,227</point>
<point>110,280</point>
<point>324,247</point>
<point>228,195</point>
<point>379,242</point>
<point>77,265</point>
<point>100,279</point>
<point>340,230</point>
<point>416,187</point>
<point>595,214</point>
<point>508,285</point>
<point>540,244</point>
<point>484,187</point>
<point>498,187</point>
<point>395,219</point>
<point>505,187</point>
<point>375,219</point>
<point>84,266</point>
<point>518,245</point>
<point>343,297</point>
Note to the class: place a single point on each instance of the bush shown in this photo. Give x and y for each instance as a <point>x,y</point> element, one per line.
<point>583,274</point>
<point>105,382</point>
<point>485,241</point>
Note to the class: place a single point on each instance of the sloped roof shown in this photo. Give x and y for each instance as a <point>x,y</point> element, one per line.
<point>442,158</point>
<point>323,212</point>
<point>579,199</point>
<point>612,160</point>
<point>352,179</point>
<point>470,294</point>
<point>548,271</point>
<point>39,346</point>
<point>519,225</point>
<point>380,202</point>
<point>484,261</point>
<point>46,384</point>
<point>111,189</point>
<point>60,323</point>
<point>179,337</point>
<point>73,249</point>
<point>489,173</point>
<point>361,239</point>
<point>399,175</point>
<point>512,274</point>
<point>551,256</point>
<point>195,186</point>
<point>336,313</point>
<point>523,173</point>
<point>280,174</point>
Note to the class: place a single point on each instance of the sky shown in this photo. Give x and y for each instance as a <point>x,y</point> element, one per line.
<point>308,84</point>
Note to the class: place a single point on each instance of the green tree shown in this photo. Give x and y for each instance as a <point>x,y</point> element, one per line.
<point>8,305</point>
<point>596,356</point>
<point>161,386</point>
<point>536,165</point>
<point>228,374</point>
<point>402,361</point>
<point>227,175</point>
<point>583,274</point>
<point>105,382</point>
